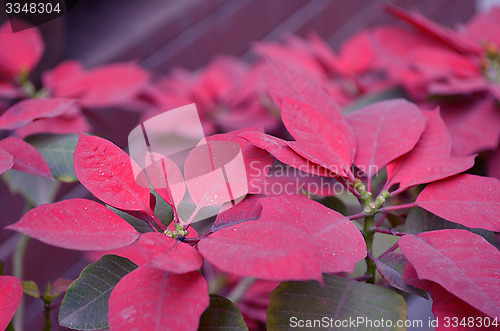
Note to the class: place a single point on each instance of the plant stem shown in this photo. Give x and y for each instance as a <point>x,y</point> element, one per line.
<point>381,220</point>
<point>18,271</point>
<point>240,289</point>
<point>398,207</point>
<point>391,249</point>
<point>356,216</point>
<point>388,231</point>
<point>46,312</point>
<point>368,233</point>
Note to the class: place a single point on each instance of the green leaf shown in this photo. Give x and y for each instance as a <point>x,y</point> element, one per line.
<point>222,314</point>
<point>335,204</point>
<point>391,93</point>
<point>138,224</point>
<point>420,220</point>
<point>35,189</point>
<point>30,288</point>
<point>340,300</point>
<point>58,151</point>
<point>391,266</point>
<point>163,210</point>
<point>85,305</point>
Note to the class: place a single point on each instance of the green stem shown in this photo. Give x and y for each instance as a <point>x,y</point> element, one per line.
<point>18,271</point>
<point>240,289</point>
<point>368,233</point>
<point>46,311</point>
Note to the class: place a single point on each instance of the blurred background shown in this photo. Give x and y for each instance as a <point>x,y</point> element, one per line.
<point>163,34</point>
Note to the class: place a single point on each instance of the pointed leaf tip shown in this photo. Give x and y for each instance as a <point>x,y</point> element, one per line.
<point>76,224</point>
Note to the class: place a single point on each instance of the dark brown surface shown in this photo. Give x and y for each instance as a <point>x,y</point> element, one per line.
<point>163,34</point>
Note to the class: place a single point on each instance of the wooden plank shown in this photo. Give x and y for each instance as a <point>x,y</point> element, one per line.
<point>229,30</point>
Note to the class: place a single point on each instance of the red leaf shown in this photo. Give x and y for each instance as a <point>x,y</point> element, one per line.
<point>215,173</point>
<point>76,224</point>
<point>465,264</point>
<point>338,240</point>
<point>357,53</point>
<point>427,26</point>
<point>113,84</point>
<point>292,53</point>
<point>483,28</point>
<point>381,135</point>
<point>130,252</point>
<point>106,171</point>
<point>64,80</point>
<point>429,160</point>
<point>474,126</point>
<point>446,305</point>
<point>280,150</point>
<point>26,111</point>
<point>437,62</point>
<point>6,161</point>
<point>273,251</point>
<point>64,124</point>
<point>166,178</point>
<point>165,253</point>
<point>257,162</point>
<point>247,210</point>
<point>103,86</point>
<point>20,51</point>
<point>26,158</point>
<point>152,299</point>
<point>473,201</point>
<point>315,121</point>
<point>12,292</point>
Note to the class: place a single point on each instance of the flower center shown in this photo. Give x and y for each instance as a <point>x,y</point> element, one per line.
<point>491,63</point>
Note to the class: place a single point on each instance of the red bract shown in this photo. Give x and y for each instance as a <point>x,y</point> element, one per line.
<point>109,85</point>
<point>447,306</point>
<point>279,149</point>
<point>17,154</point>
<point>76,224</point>
<point>12,293</point>
<point>344,76</point>
<point>441,33</point>
<point>474,124</point>
<point>462,62</point>
<point>21,51</point>
<point>44,116</point>
<point>430,159</point>
<point>166,179</point>
<point>472,201</point>
<point>168,254</point>
<point>269,250</point>
<point>339,242</point>
<point>465,264</point>
<point>106,171</point>
<point>256,161</point>
<point>307,111</point>
<point>6,161</point>
<point>153,299</point>
<point>227,93</point>
<point>379,125</point>
<point>26,111</point>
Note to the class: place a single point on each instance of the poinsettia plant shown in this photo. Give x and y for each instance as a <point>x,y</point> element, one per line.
<point>340,215</point>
